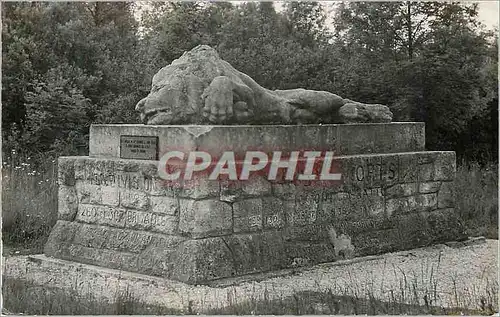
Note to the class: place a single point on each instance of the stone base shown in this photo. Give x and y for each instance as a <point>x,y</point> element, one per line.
<point>343,139</point>
<point>118,213</point>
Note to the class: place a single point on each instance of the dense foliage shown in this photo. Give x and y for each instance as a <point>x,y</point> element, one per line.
<point>67,65</point>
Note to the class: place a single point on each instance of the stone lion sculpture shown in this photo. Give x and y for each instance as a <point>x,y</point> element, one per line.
<point>201,88</point>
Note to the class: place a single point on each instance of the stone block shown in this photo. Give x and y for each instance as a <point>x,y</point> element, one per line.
<point>101,257</point>
<point>273,211</point>
<point>344,139</point>
<point>88,194</point>
<point>248,215</point>
<point>374,242</point>
<point>110,196</point>
<point>165,205</point>
<point>66,170</point>
<point>308,253</point>
<point>401,190</point>
<point>353,206</point>
<point>305,212</point>
<point>408,168</point>
<point>256,186</point>
<point>426,172</point>
<point>123,218</point>
<point>310,232</point>
<point>445,166</point>
<point>338,206</point>
<point>197,261</point>
<point>205,218</point>
<point>200,188</point>
<point>422,202</point>
<point>284,190</point>
<point>161,187</point>
<point>257,252</point>
<point>230,191</point>
<point>61,235</point>
<point>67,205</point>
<point>134,199</point>
<point>354,227</point>
<point>369,171</point>
<point>99,237</point>
<point>429,187</point>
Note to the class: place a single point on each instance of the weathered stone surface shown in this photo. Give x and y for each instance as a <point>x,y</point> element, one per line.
<point>201,88</point>
<point>202,260</point>
<point>354,227</point>
<point>429,187</point>
<point>88,194</point>
<point>445,166</point>
<point>130,250</point>
<point>205,218</point>
<point>134,199</point>
<point>401,190</point>
<point>165,205</point>
<point>284,190</point>
<point>125,218</point>
<point>67,206</point>
<point>257,252</point>
<point>304,213</point>
<point>358,113</point>
<point>230,191</point>
<point>200,188</point>
<point>426,172</point>
<point>256,186</point>
<point>247,215</point>
<point>123,215</point>
<point>343,139</point>
<point>66,170</point>
<point>110,196</point>
<point>417,203</point>
<point>273,213</point>
<point>368,171</point>
<point>308,253</point>
<point>408,171</point>
<point>310,232</point>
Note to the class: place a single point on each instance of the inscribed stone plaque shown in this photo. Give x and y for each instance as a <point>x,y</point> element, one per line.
<point>139,147</point>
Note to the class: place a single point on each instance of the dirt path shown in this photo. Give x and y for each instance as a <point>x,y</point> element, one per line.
<point>439,276</point>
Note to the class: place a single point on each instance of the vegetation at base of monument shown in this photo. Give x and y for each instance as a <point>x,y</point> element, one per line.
<point>66,65</point>
<point>29,201</point>
<point>414,296</point>
<point>476,199</point>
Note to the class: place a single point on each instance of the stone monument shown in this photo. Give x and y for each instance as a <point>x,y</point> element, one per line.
<point>117,210</point>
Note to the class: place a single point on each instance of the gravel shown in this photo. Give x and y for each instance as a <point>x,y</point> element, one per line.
<point>459,276</point>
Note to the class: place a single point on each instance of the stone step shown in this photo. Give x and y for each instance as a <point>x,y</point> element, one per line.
<point>343,139</point>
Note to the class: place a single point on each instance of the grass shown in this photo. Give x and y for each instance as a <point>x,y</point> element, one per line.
<point>29,202</point>
<point>29,210</point>
<point>476,199</point>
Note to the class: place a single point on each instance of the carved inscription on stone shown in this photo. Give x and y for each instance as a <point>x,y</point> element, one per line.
<point>123,218</point>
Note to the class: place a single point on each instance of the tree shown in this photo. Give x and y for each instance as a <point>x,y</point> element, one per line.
<point>430,60</point>
<point>59,57</point>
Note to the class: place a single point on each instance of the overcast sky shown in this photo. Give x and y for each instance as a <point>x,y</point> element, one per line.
<point>488,13</point>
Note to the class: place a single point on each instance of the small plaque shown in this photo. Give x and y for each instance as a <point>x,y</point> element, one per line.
<point>139,147</point>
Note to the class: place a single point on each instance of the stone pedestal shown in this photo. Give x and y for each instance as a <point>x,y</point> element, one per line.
<point>119,213</point>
